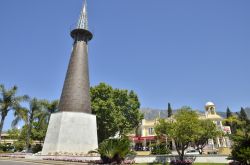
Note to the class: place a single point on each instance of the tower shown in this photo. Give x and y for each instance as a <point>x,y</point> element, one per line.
<point>210,108</point>
<point>75,94</point>
<point>73,129</point>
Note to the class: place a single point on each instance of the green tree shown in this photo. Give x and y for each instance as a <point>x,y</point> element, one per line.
<point>38,131</point>
<point>206,130</point>
<point>233,122</point>
<point>117,111</point>
<point>243,115</point>
<point>19,145</point>
<point>159,149</point>
<point>51,107</point>
<point>9,101</point>
<point>29,116</point>
<point>170,111</point>
<point>183,129</point>
<point>241,144</point>
<point>14,133</point>
<point>43,117</point>
<point>229,113</point>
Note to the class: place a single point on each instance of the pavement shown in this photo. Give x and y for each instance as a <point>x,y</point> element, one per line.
<point>11,161</point>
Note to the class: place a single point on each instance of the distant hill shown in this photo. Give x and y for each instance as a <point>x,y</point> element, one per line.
<point>150,113</point>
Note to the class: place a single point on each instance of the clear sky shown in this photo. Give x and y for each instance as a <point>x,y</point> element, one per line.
<point>185,52</point>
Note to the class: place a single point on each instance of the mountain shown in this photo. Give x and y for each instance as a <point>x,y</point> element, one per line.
<point>151,113</point>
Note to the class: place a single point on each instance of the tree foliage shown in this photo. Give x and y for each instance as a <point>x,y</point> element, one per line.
<point>13,133</point>
<point>229,113</point>
<point>170,111</point>
<point>182,129</point>
<point>31,115</point>
<point>243,115</point>
<point>114,150</point>
<point>240,126</point>
<point>206,130</point>
<point>160,149</point>
<point>9,101</point>
<point>233,122</point>
<point>117,111</point>
<point>186,128</point>
<point>241,145</point>
<point>16,134</point>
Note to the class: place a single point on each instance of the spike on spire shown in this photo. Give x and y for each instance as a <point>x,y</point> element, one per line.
<point>83,20</point>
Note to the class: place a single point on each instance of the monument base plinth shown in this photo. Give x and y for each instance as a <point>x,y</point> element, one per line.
<point>72,133</point>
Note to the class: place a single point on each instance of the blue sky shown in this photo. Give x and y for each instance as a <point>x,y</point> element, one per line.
<point>182,52</point>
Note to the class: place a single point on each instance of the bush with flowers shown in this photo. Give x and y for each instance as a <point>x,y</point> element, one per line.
<point>181,162</point>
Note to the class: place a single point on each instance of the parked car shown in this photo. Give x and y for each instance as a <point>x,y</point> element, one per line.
<point>38,153</point>
<point>192,152</point>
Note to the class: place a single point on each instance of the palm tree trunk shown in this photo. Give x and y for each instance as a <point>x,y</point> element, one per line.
<point>29,133</point>
<point>3,116</point>
<point>28,138</point>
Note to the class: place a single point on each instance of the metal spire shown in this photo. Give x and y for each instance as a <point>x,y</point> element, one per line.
<point>83,20</point>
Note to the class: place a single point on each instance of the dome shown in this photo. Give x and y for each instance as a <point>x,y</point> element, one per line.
<point>209,104</point>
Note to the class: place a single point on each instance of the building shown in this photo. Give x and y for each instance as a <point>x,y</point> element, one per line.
<point>146,136</point>
<point>5,139</point>
<point>218,142</point>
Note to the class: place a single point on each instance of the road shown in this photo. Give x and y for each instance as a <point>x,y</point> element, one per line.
<point>35,162</point>
<point>9,162</point>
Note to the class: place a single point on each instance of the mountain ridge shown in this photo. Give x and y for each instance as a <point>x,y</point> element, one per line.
<point>152,113</point>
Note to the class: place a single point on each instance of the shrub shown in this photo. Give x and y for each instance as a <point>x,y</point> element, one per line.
<point>36,148</point>
<point>241,151</point>
<point>234,163</point>
<point>6,147</point>
<point>160,149</point>
<point>19,145</point>
<point>114,150</point>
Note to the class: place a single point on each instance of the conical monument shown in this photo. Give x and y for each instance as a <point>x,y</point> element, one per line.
<point>73,129</point>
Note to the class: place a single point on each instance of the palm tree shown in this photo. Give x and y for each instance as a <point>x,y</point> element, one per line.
<point>29,115</point>
<point>43,117</point>
<point>52,107</point>
<point>9,101</point>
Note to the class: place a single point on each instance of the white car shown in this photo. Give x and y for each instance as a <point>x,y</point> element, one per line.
<point>192,152</point>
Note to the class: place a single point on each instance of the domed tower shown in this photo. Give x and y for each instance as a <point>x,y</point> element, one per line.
<point>210,108</point>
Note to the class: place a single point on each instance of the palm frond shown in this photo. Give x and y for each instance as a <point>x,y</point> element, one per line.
<point>16,120</point>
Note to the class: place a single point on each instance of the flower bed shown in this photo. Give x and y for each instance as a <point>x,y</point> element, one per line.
<point>73,160</point>
<point>85,161</point>
<point>179,162</point>
<point>12,155</point>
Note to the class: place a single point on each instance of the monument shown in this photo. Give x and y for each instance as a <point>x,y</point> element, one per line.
<point>73,129</point>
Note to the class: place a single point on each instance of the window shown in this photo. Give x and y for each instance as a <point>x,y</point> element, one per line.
<point>151,131</point>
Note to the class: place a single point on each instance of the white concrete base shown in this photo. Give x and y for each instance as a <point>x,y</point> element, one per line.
<point>70,132</point>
